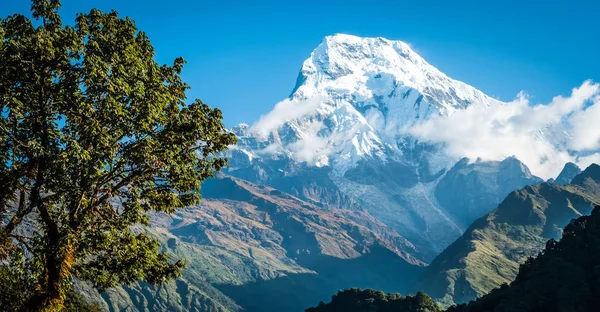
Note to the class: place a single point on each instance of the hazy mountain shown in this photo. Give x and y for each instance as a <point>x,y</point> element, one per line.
<point>470,190</point>
<point>567,174</point>
<point>488,254</point>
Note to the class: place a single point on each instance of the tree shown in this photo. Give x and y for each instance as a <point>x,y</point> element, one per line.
<point>369,300</point>
<point>18,285</point>
<point>94,134</point>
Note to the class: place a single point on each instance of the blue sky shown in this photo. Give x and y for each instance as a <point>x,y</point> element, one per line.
<point>244,56</point>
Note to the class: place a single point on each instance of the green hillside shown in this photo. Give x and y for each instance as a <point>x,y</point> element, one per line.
<point>489,253</point>
<point>565,276</point>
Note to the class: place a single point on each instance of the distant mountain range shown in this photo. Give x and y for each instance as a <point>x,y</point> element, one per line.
<point>248,241</point>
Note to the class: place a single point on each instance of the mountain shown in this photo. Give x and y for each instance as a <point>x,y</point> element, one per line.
<point>568,173</point>
<point>247,241</point>
<point>565,276</point>
<point>488,254</point>
<point>329,191</point>
<point>340,140</point>
<point>470,190</point>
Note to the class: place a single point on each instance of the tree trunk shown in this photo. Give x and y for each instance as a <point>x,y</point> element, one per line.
<point>51,296</point>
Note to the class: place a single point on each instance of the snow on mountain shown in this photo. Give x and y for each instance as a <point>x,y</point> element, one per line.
<point>367,69</point>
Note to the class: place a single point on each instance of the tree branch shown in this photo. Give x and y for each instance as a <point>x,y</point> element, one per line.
<point>17,218</point>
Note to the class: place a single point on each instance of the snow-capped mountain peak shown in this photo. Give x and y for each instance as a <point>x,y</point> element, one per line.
<point>367,68</point>
<point>353,99</point>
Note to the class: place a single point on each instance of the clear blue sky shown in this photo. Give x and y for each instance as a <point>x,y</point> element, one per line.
<point>244,56</point>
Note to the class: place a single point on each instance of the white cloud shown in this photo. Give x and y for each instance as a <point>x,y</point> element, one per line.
<point>586,130</point>
<point>535,134</point>
<point>311,148</point>
<point>284,111</point>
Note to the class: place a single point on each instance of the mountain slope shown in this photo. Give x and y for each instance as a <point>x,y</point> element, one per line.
<point>488,254</point>
<point>565,276</point>
<point>246,241</point>
<point>470,190</point>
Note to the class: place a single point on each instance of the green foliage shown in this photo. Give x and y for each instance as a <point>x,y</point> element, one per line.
<point>19,282</point>
<point>369,300</point>
<point>564,277</point>
<point>93,135</point>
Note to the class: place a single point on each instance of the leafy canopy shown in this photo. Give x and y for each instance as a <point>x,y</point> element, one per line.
<point>93,135</point>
